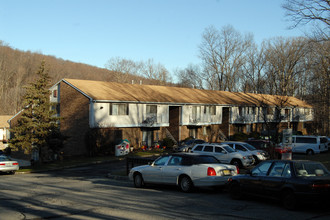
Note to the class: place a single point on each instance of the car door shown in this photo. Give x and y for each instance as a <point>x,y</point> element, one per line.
<point>220,154</point>
<point>172,170</point>
<point>153,173</point>
<point>253,183</point>
<point>272,183</point>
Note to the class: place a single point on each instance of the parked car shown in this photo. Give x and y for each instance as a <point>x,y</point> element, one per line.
<point>7,165</point>
<point>259,144</point>
<point>258,155</point>
<point>184,170</point>
<point>289,181</point>
<point>306,144</point>
<point>225,154</point>
<point>189,144</point>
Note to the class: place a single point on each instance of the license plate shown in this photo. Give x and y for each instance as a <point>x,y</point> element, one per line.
<point>226,172</point>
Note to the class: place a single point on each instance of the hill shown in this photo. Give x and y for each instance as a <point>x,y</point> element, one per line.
<point>18,68</point>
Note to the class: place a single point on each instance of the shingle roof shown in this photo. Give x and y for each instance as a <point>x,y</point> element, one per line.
<point>111,91</point>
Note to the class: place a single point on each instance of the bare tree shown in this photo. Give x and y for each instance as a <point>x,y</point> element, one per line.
<point>150,70</point>
<point>305,11</point>
<point>302,12</point>
<point>284,58</point>
<point>190,77</point>
<point>253,78</point>
<point>222,53</point>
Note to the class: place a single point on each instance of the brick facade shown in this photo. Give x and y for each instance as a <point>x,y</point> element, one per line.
<point>74,125</point>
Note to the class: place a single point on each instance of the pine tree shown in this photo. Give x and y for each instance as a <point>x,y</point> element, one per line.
<point>36,124</point>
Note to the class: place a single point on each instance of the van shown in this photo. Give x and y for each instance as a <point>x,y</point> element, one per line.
<point>309,144</point>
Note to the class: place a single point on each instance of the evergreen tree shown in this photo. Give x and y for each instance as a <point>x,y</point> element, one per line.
<point>36,125</point>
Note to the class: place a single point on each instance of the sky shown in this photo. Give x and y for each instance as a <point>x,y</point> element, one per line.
<point>167,31</point>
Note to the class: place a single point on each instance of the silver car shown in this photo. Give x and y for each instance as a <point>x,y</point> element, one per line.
<point>7,165</point>
<point>258,155</point>
<point>225,154</point>
<point>184,170</point>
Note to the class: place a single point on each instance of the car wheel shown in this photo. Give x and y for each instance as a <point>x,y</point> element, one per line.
<point>138,180</point>
<point>12,172</point>
<point>235,191</point>
<point>237,163</point>
<point>289,200</point>
<point>309,152</point>
<point>186,185</point>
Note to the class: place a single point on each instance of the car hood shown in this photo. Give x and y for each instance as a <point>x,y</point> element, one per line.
<point>140,167</point>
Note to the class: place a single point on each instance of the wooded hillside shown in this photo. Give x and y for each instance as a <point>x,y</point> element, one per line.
<point>18,68</point>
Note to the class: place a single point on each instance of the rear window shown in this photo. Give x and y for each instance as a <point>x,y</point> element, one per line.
<point>205,159</point>
<point>323,140</point>
<point>309,140</point>
<point>308,169</point>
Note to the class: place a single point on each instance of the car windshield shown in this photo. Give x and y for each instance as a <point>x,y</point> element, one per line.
<point>310,169</point>
<point>249,147</point>
<point>228,149</point>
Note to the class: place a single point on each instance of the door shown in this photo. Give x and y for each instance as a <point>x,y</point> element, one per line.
<point>172,170</point>
<point>148,137</point>
<point>253,184</point>
<point>153,173</point>
<point>272,183</point>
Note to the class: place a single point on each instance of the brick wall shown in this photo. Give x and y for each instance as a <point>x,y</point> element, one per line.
<point>74,113</point>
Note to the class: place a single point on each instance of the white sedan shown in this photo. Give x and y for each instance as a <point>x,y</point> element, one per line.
<point>184,170</point>
<point>7,165</point>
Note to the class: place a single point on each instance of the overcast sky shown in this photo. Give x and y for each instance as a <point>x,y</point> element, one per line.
<point>167,31</point>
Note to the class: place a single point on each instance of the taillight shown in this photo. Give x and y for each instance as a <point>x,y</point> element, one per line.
<point>320,186</point>
<point>211,171</point>
<point>237,169</point>
<point>2,164</point>
<point>15,163</point>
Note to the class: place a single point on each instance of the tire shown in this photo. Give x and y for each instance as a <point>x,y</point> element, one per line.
<point>237,162</point>
<point>138,180</point>
<point>309,152</point>
<point>289,200</point>
<point>235,191</point>
<point>12,172</point>
<point>185,184</point>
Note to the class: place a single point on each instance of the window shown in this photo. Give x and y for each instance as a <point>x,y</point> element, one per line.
<point>219,150</point>
<point>196,113</point>
<point>208,149</point>
<point>239,147</point>
<point>287,112</point>
<point>198,148</point>
<point>270,111</point>
<point>240,111</point>
<point>152,109</point>
<point>175,160</point>
<point>211,110</point>
<point>277,169</point>
<point>161,161</point>
<point>119,109</point>
<point>262,169</point>
<point>306,140</point>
